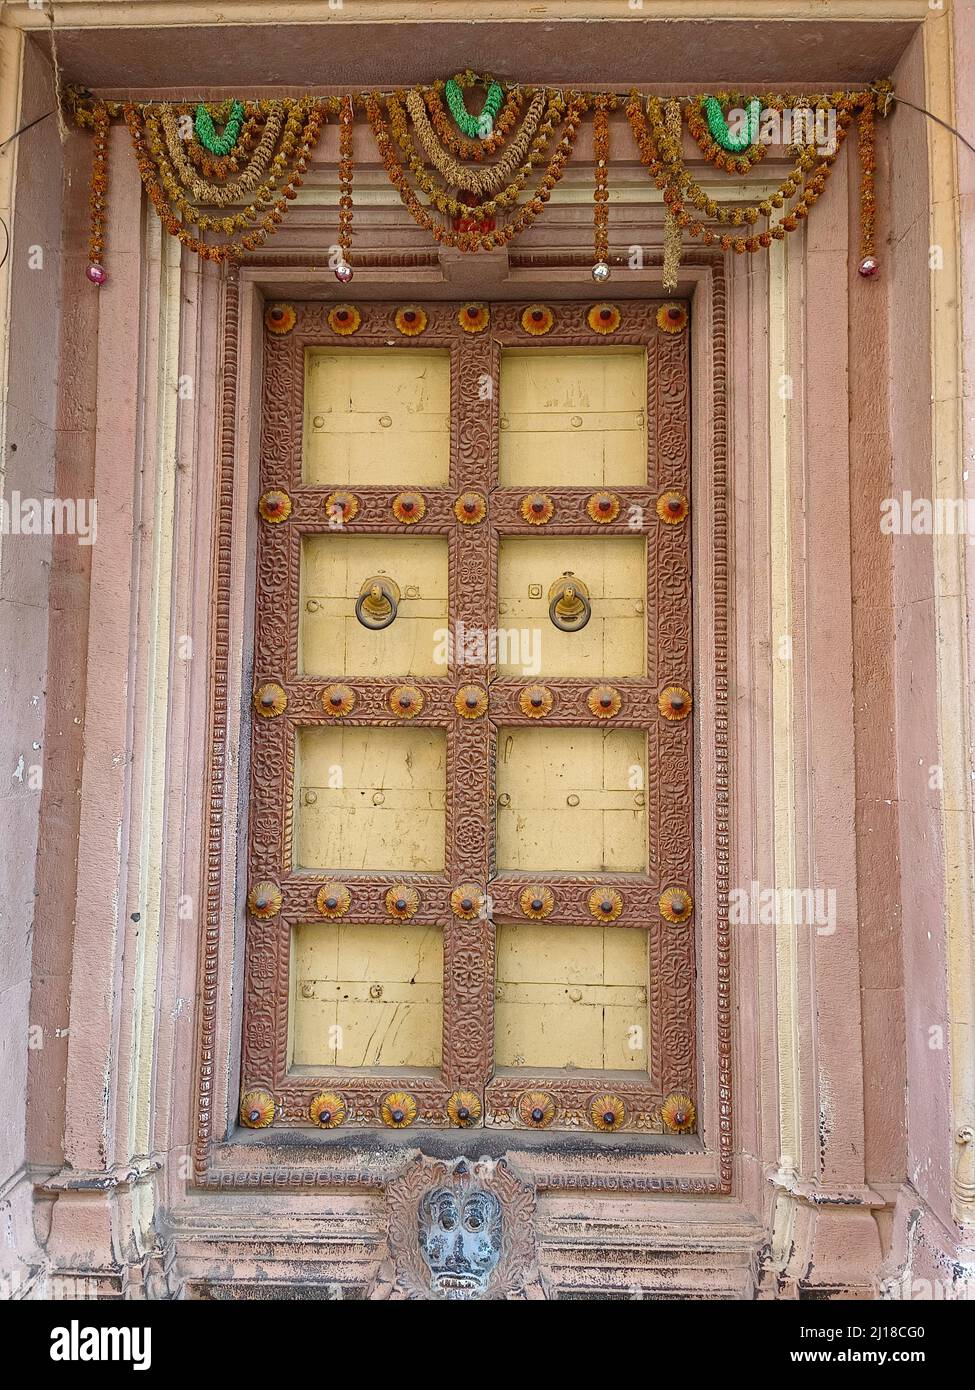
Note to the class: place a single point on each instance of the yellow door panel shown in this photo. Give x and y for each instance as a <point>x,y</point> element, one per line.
<point>377,417</point>
<point>370,799</point>
<point>575,416</point>
<point>613,642</point>
<point>366,996</point>
<point>573,997</point>
<point>571,800</point>
<point>333,570</point>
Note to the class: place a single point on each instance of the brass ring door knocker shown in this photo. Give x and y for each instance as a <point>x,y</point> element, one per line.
<point>568,605</point>
<point>378,602</point>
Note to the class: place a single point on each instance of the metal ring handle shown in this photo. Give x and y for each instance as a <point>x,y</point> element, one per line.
<point>374,591</point>
<point>576,622</point>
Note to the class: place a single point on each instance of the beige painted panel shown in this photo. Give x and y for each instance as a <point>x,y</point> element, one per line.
<point>334,642</point>
<point>571,997</point>
<point>366,996</point>
<point>573,417</point>
<point>566,800</point>
<point>370,798</point>
<point>377,416</point>
<point>613,642</point>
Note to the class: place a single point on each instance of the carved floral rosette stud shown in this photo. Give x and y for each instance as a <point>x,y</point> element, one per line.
<point>470,508</point>
<point>398,1110</point>
<point>674,702</point>
<point>406,701</point>
<point>257,1109</point>
<point>603,507</point>
<point>672,318</point>
<point>274,506</point>
<point>333,900</point>
<point>604,701</point>
<point>603,318</point>
<point>402,901</point>
<point>341,507</point>
<point>464,1108</point>
<point>280,318</point>
<point>474,318</point>
<point>677,1113</point>
<point>536,508</point>
<point>676,904</point>
<point>606,1113</point>
<point>536,1109</point>
<point>536,902</point>
<point>537,320</point>
<point>270,700</point>
<point>672,507</point>
<point>605,904</point>
<point>467,901</point>
<point>459,1232</point>
<point>409,507</point>
<point>471,702</point>
<point>536,701</point>
<point>411,320</point>
<point>344,319</point>
<point>338,700</point>
<point>264,900</point>
<point>327,1110</point>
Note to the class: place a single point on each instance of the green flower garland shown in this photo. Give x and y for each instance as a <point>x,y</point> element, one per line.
<point>219,145</point>
<point>473,127</point>
<point>718,126</point>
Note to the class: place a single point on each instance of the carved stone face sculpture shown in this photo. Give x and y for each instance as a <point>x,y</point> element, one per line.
<point>460,1239</point>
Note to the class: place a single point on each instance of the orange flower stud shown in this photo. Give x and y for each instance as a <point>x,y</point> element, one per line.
<point>411,320</point>
<point>536,1108</point>
<point>256,1109</point>
<point>344,319</point>
<point>398,1110</point>
<point>274,506</point>
<point>270,700</point>
<point>464,1108</point>
<point>606,1112</point>
<point>604,702</point>
<point>467,902</point>
<point>536,902</point>
<point>327,1110</point>
<point>333,900</point>
<point>536,701</point>
<point>474,318</point>
<point>606,904</point>
<point>471,702</point>
<point>672,318</point>
<point>603,318</point>
<point>470,508</point>
<point>603,507</point>
<point>537,508</point>
<point>341,507</point>
<point>672,507</point>
<point>674,702</point>
<point>537,319</point>
<point>402,901</point>
<point>338,700</point>
<point>677,1113</point>
<point>409,508</point>
<point>406,701</point>
<point>280,318</point>
<point>676,904</point>
<point>264,900</point>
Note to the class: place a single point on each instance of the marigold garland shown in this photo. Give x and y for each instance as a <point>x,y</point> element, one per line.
<point>238,185</point>
<point>97,197</point>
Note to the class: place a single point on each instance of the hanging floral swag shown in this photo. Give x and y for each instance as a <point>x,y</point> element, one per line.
<point>222,176</point>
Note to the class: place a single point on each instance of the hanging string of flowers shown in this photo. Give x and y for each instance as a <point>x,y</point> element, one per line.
<point>222,176</point>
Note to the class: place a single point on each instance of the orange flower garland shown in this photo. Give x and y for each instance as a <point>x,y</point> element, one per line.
<point>97,196</point>
<point>343,271</point>
<point>869,265</point>
<point>600,197</point>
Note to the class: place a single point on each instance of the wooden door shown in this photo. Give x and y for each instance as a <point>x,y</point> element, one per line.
<point>471,817</point>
